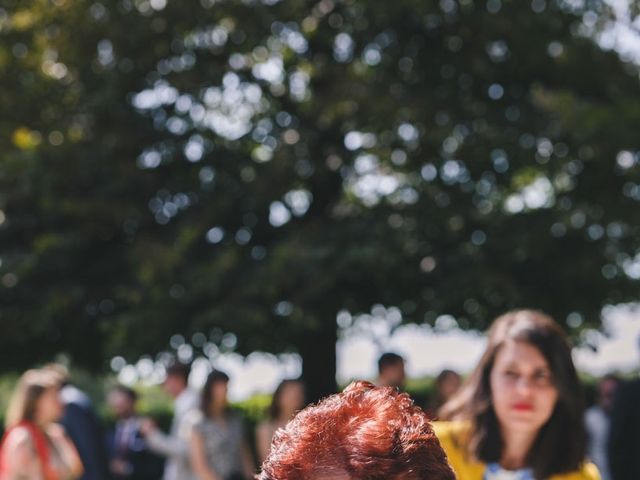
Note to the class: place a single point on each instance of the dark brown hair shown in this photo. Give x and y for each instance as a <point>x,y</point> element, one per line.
<point>207,395</point>
<point>130,393</point>
<point>274,408</point>
<point>366,432</point>
<point>560,444</point>
<point>389,359</point>
<point>180,370</point>
<point>24,401</point>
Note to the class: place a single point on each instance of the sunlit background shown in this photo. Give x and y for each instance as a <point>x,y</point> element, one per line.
<point>427,350</point>
<point>291,188</point>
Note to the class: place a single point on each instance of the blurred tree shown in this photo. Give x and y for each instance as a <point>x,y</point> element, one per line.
<point>256,167</point>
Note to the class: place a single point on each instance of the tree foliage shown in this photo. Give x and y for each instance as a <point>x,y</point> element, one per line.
<point>247,167</point>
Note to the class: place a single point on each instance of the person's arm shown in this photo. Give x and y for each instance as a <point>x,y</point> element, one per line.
<point>66,448</point>
<point>19,457</point>
<point>199,458</point>
<point>247,461</point>
<point>161,443</point>
<point>263,440</point>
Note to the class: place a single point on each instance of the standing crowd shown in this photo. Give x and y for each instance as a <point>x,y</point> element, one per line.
<point>518,416</point>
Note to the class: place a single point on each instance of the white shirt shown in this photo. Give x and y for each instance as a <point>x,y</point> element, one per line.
<point>175,446</point>
<point>597,423</point>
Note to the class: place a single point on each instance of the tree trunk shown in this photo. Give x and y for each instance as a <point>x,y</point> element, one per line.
<point>318,351</point>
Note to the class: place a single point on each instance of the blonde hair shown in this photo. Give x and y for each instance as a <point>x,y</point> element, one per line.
<point>31,386</point>
<point>58,372</point>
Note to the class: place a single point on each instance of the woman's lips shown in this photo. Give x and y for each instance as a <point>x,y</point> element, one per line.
<point>522,407</point>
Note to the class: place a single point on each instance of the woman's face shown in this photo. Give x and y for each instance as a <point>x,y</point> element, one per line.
<point>292,397</point>
<point>522,388</point>
<point>449,386</point>
<point>219,393</point>
<point>48,407</point>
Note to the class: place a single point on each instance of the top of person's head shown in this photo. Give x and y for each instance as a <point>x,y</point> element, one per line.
<point>207,396</point>
<point>559,446</point>
<point>364,432</point>
<point>30,387</point>
<point>610,378</point>
<point>128,392</point>
<point>445,374</point>
<point>179,370</point>
<point>389,359</point>
<point>216,376</point>
<point>59,372</point>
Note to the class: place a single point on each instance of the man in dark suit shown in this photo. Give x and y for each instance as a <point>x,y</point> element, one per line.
<point>624,434</point>
<point>129,457</point>
<point>83,426</point>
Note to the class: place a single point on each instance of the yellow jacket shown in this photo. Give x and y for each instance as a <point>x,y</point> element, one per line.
<point>450,433</point>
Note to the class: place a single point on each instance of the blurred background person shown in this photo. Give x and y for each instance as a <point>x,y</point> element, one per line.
<point>520,413</point>
<point>597,422</point>
<point>175,446</point>
<point>364,432</point>
<point>83,425</point>
<point>34,446</point>
<point>129,455</point>
<point>218,448</point>
<point>287,400</point>
<point>391,371</point>
<point>447,385</point>
<point>624,433</point>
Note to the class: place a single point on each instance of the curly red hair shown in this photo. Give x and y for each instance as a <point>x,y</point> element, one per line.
<point>365,432</point>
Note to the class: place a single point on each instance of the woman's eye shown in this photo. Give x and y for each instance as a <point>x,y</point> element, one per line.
<point>511,374</point>
<point>543,377</point>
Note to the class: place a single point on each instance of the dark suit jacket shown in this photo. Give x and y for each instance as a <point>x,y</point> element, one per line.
<point>144,464</point>
<point>85,430</point>
<point>624,436</point>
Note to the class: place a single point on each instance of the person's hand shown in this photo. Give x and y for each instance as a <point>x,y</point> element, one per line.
<point>67,449</point>
<point>120,467</point>
<point>147,426</point>
<point>56,432</point>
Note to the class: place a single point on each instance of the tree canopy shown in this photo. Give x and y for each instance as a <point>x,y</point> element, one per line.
<point>254,168</point>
